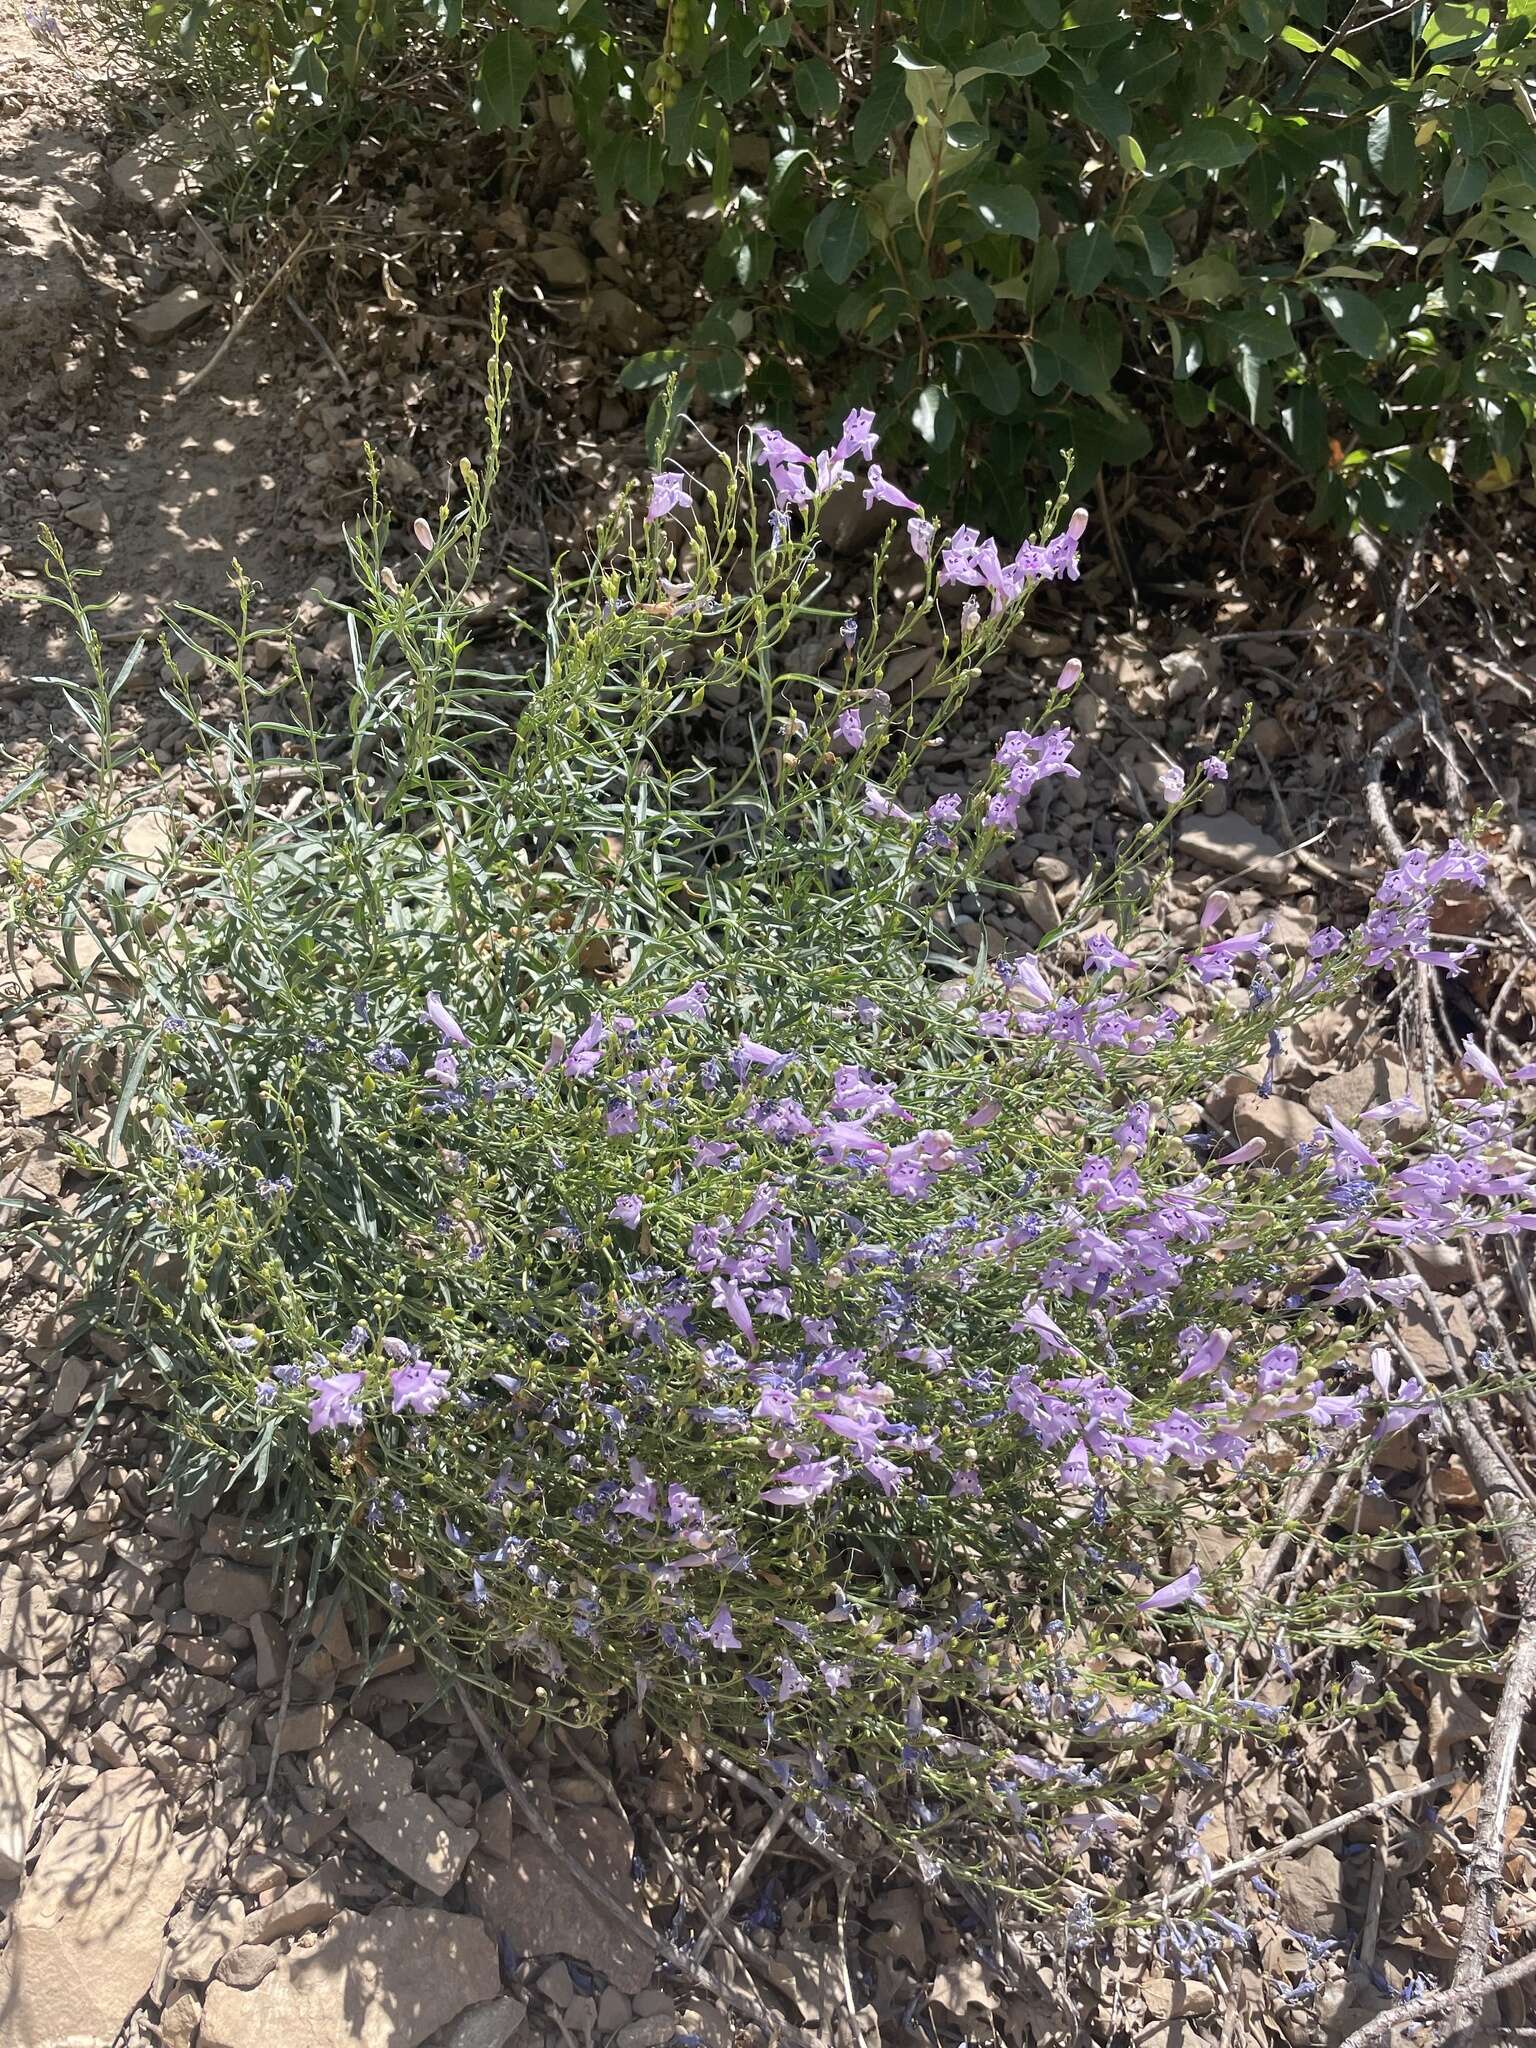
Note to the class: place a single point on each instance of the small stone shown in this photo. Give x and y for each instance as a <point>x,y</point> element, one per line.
<point>149,838</point>
<point>613,2011</point>
<point>557,1986</point>
<point>74,1377</point>
<point>257,1872</point>
<point>202,1946</point>
<point>1283,1126</point>
<point>311,1903</point>
<point>388,1979</point>
<point>563,265</point>
<point>1359,1088</point>
<point>245,1967</point>
<point>232,1536</point>
<point>168,170</point>
<point>180,2021</point>
<point>652,2031</point>
<point>90,515</point>
<point>168,315</point>
<point>33,1632</point>
<point>86,1932</point>
<point>271,1646</point>
<point>113,1747</point>
<point>1311,1893</point>
<point>1176,1997</point>
<point>302,1727</point>
<point>38,1094</point>
<point>1234,845</point>
<point>234,1592</point>
<point>483,2026</point>
<point>23,1751</point>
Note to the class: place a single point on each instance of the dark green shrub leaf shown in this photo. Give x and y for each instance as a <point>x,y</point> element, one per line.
<point>1306,426</point>
<point>1356,319</point>
<point>817,91</point>
<point>883,112</point>
<point>1011,209</point>
<point>837,238</point>
<point>1211,145</point>
<point>990,377</point>
<point>1013,57</point>
<point>1389,147</point>
<point>1090,252</point>
<point>640,373</point>
<point>729,74</point>
<point>934,418</point>
<point>1465,184</point>
<point>1209,280</point>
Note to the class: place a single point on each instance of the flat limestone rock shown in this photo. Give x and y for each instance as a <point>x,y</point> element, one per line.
<point>1234,845</point>
<point>23,1749</point>
<point>387,1979</point>
<point>86,1932</point>
<point>533,1900</point>
<point>416,1836</point>
<point>169,314</point>
<point>357,1770</point>
<point>233,1592</point>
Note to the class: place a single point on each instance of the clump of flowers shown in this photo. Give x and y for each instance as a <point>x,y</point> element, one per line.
<point>621,1229</point>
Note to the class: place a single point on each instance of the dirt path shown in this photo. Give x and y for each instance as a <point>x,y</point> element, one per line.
<point>160,451</point>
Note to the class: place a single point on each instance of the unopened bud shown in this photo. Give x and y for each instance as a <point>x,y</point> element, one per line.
<point>423,534</point>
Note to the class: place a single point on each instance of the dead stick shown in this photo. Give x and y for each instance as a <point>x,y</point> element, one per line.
<point>1228,1872</point>
<point>1428,2008</point>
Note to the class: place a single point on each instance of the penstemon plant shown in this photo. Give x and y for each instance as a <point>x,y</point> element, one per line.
<point>585,1193</point>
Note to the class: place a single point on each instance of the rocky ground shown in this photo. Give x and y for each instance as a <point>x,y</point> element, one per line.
<point>220,1826</point>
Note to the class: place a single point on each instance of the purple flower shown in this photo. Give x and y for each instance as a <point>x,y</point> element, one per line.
<point>583,1057</point>
<point>850,727</point>
<point>627,1209</point>
<point>749,1053</point>
<point>858,437</point>
<point>1171,783</point>
<point>335,1404</point>
<point>798,1484</point>
<point>419,1387</point>
<point>876,487</point>
<point>439,1015</point>
<point>721,1633</point>
<point>787,465</point>
<point>878,805</point>
<point>693,1004</point>
<point>1174,1594</point>
<point>921,533</point>
<point>669,493</point>
<point>1214,768</point>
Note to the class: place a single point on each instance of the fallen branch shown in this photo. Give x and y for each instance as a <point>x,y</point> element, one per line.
<point>1433,2004</point>
<point>1201,1887</point>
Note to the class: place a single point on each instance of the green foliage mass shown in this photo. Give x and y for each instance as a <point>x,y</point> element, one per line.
<point>1016,228</point>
